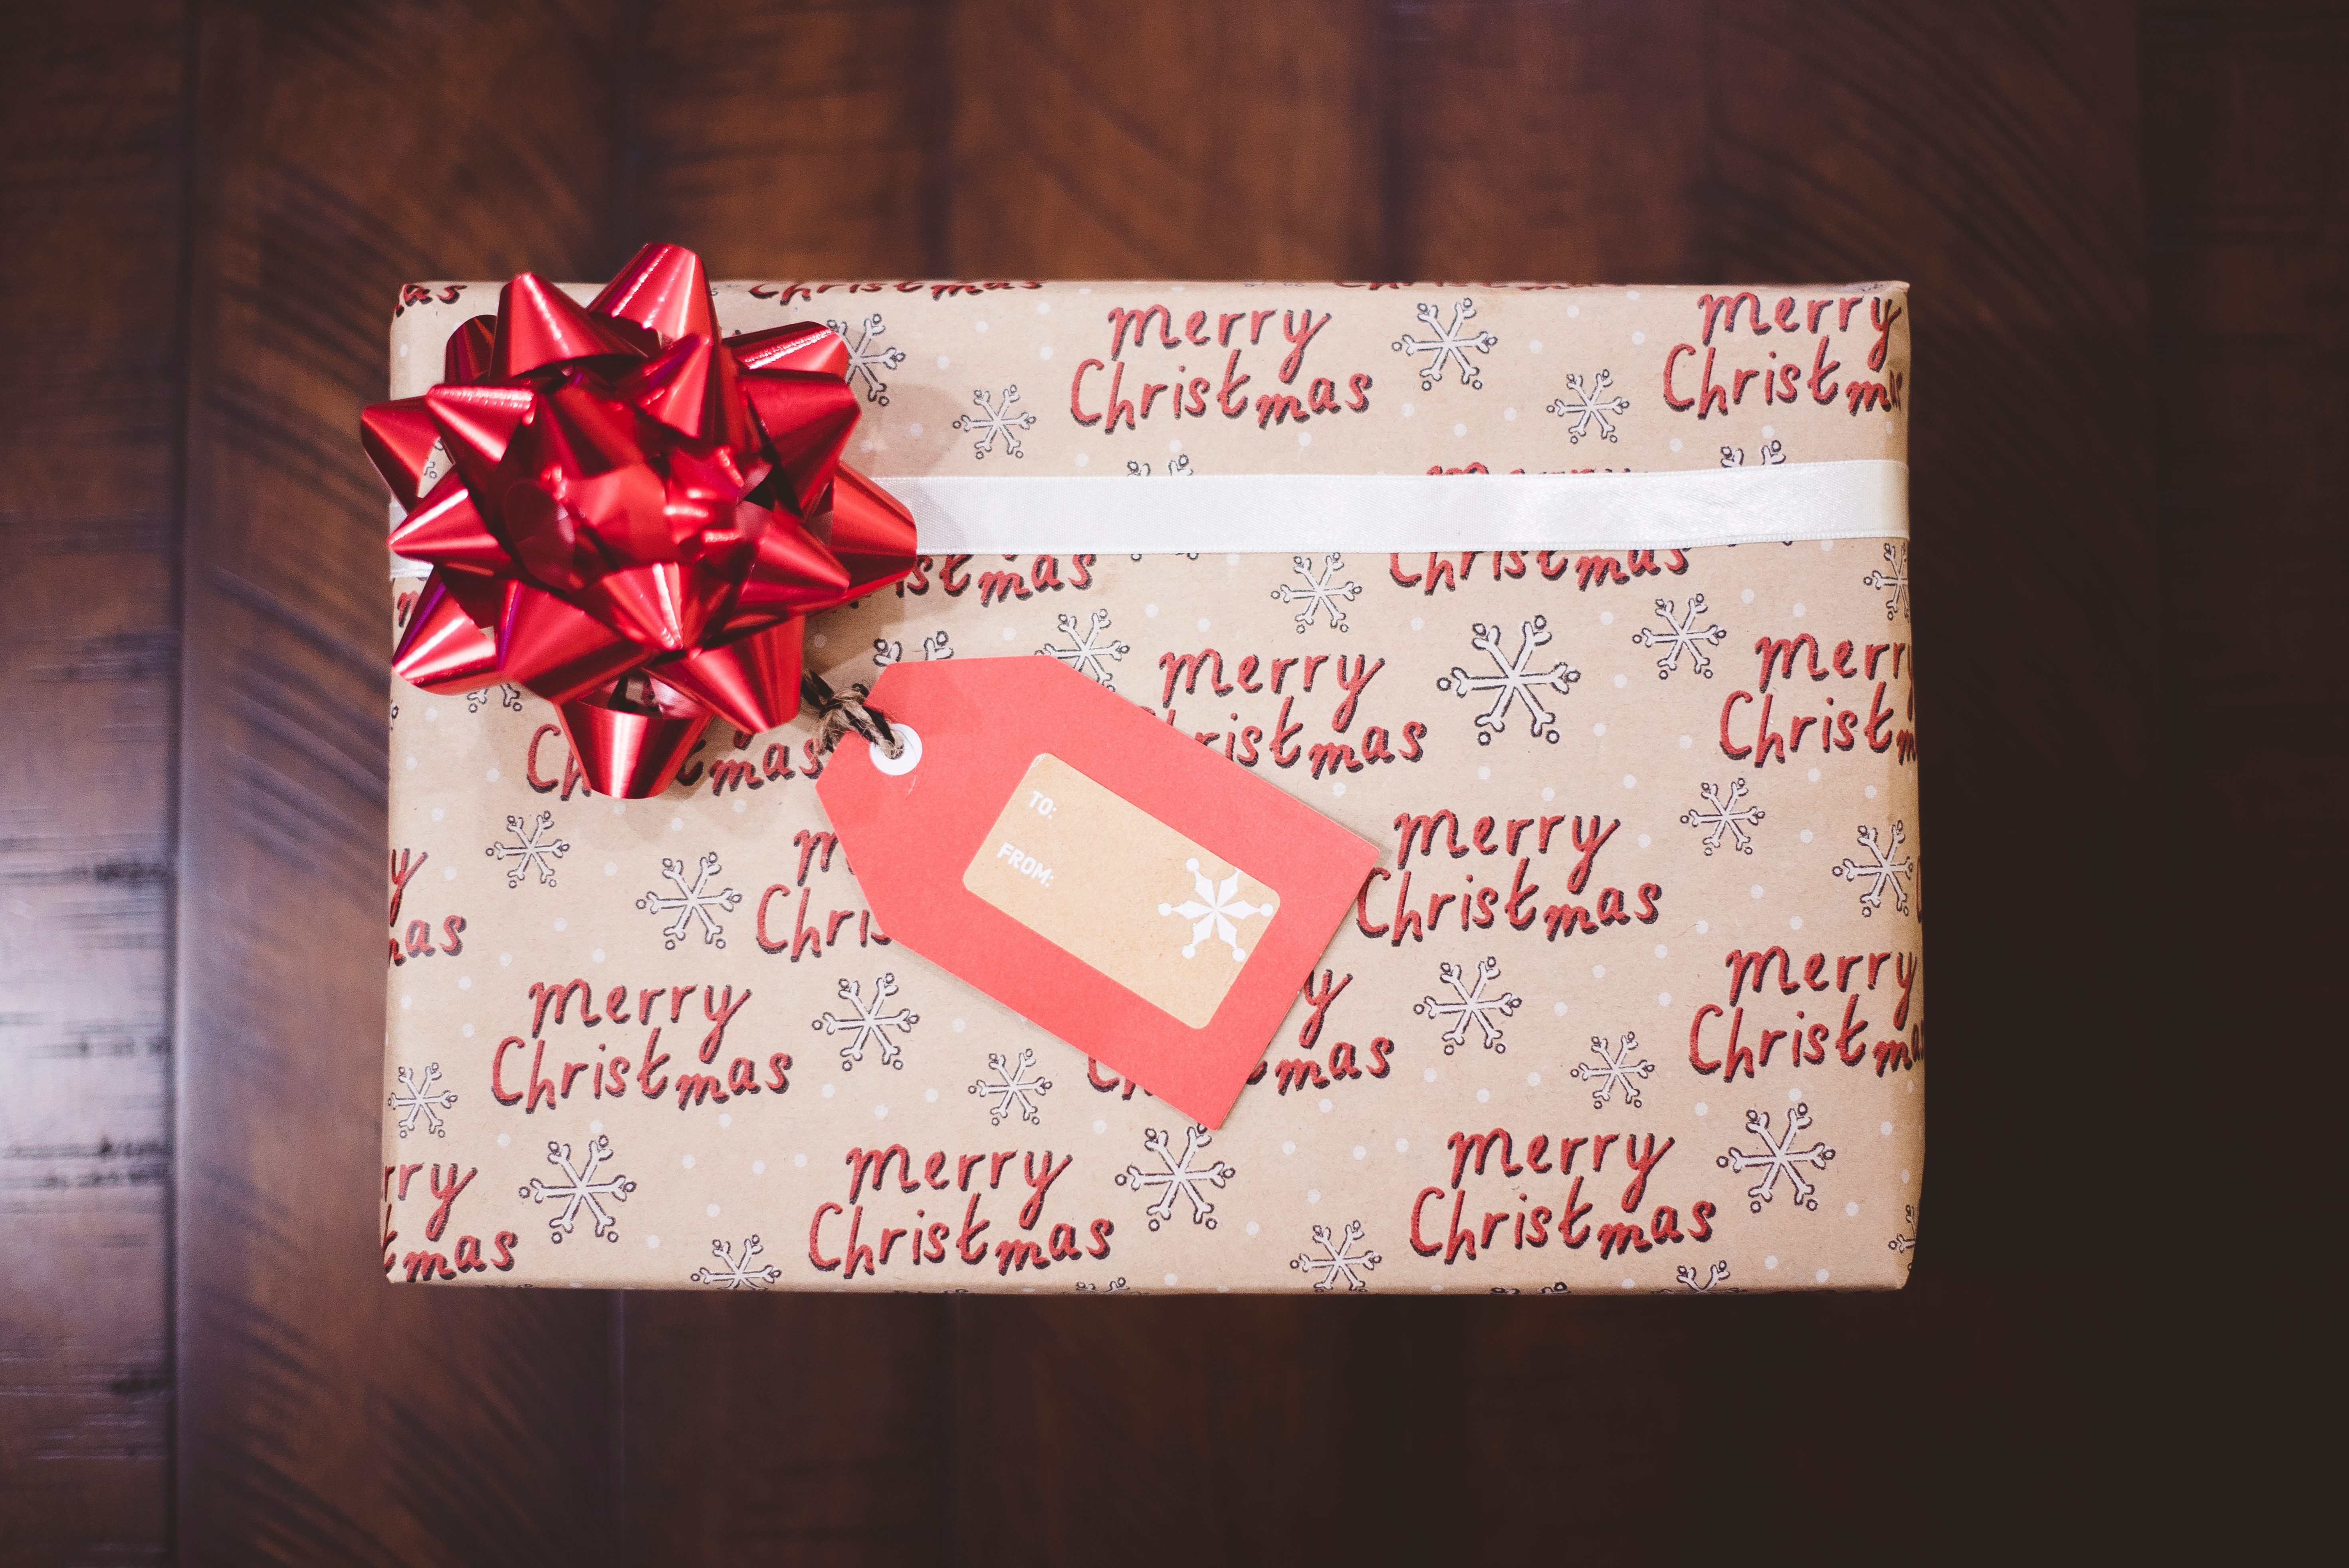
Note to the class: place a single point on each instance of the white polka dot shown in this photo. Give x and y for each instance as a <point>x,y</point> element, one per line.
<point>1630,782</point>
<point>467,1030</point>
<point>1509,414</point>
<point>620,808</point>
<point>979,327</point>
<point>1825,544</point>
<point>1747,595</point>
<point>1325,1107</point>
<point>1598,729</point>
<point>1821,1276</point>
<point>1701,928</point>
<point>930,1095</point>
<point>1622,681</point>
<point>1638,338</point>
<point>562,922</point>
<point>1869,792</point>
<point>1626,1284</point>
<point>1081,458</point>
<point>1253,1227</point>
<point>1045,352</point>
<point>1559,1009</point>
<point>1885,1129</point>
<point>1663,998</point>
<point>1687,741</point>
<point>1304,437</point>
<point>1771,1262</point>
<point>1151,611</point>
<point>1010,633</point>
<point>712,1210</point>
<point>1313,1195</point>
<point>494,775</point>
<point>1417,623</point>
<point>1632,294</point>
<point>1599,972</point>
<point>1459,429</point>
<point>506,958</point>
<point>1850,1209</point>
<point>1644,841</point>
<point>408,1001</point>
<point>1549,793</point>
<point>944,362</point>
<point>1661,951</point>
<point>653,1242</point>
<point>1815,775</point>
<point>504,1138</point>
<point>676,824</point>
<point>914,431</point>
<point>957,1025</point>
<point>1676,443</point>
<point>867,444</point>
<point>1289,1147</point>
<point>1795,924</point>
<point>611,868</point>
<point>1533,1081</point>
<point>829,1091</point>
<point>1703,1109</point>
<point>1403,1146</point>
<point>1904,1178</point>
<point>800,1161</point>
<point>1170,1279</point>
<point>1806,835</point>
<point>1407,410</point>
<point>1755,889</point>
<point>1100,1125</point>
<point>879,1112</point>
<point>1483,1095</point>
<point>1361,1152</point>
<point>411,763</point>
<point>403,351</point>
<point>1606,617</point>
<point>1429,1075</point>
<point>1795,1095</point>
<point>1044,306</point>
<point>437,814</point>
<point>725,1118</point>
<point>1534,346</point>
<point>758,1168</point>
<point>1338,788</point>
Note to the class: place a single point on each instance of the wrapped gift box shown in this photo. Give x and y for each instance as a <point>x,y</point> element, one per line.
<point>1631,1002</point>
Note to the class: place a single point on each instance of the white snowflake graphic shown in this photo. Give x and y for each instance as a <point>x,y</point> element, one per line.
<point>1617,1071</point>
<point>1905,1244</point>
<point>1884,872</point>
<point>1712,1277</point>
<point>1725,817</point>
<point>1678,636</point>
<point>1177,468</point>
<point>1769,454</point>
<point>1117,1284</point>
<point>1449,343</point>
<point>1896,555</point>
<point>737,1273</point>
<point>886,652</point>
<point>1592,404</point>
<point>1180,1178</point>
<point>692,904</point>
<point>1319,593</point>
<point>1088,650</point>
<point>1780,1156</point>
<point>505,694</point>
<point>1340,1261</point>
<point>869,1023</point>
<point>1513,681</point>
<point>1212,909</point>
<point>580,1190</point>
<point>416,1098</point>
<point>1469,1003</point>
<point>995,419</point>
<point>863,357</point>
<point>534,845</point>
<point>1012,1088</point>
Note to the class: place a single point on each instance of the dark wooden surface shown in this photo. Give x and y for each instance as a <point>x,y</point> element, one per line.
<point>2124,225</point>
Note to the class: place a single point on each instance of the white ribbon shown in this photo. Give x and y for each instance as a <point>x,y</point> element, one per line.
<point>1017,514</point>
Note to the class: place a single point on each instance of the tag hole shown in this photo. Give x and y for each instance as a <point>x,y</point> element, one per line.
<point>905,759</point>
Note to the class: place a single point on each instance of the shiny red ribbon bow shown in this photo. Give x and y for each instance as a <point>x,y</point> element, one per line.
<point>639,517</point>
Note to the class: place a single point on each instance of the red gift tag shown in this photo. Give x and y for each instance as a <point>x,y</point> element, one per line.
<point>1152,903</point>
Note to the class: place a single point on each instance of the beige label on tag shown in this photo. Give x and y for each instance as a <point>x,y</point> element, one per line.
<point>1117,889</point>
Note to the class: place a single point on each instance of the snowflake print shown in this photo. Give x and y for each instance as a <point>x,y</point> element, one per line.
<point>1896,555</point>
<point>1615,1072</point>
<point>505,693</point>
<point>534,845</point>
<point>1592,405</point>
<point>1678,636</point>
<point>863,357</point>
<point>692,904</point>
<point>737,1273</point>
<point>1212,909</point>
<point>1712,1277</point>
<point>1088,651</point>
<point>1012,1088</point>
<point>1320,593</point>
<point>1770,453</point>
<point>1780,1157</point>
<point>1884,872</point>
<point>416,1098</point>
<point>1177,468</point>
<point>995,419</point>
<point>886,652</point>
<point>1340,1261</point>
<point>1513,681</point>
<point>1117,1284</point>
<point>580,1190</point>
<point>1725,817</point>
<point>1905,1244</point>
<point>1180,1178</point>
<point>1469,1003</point>
<point>1448,344</point>
<point>869,1023</point>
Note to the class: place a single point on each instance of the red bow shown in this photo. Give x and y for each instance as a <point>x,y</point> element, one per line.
<point>637,517</point>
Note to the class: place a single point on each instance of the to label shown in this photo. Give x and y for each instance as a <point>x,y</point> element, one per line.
<point>1152,903</point>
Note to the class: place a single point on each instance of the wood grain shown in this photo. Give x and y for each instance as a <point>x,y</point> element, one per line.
<point>323,1418</point>
<point>90,199</point>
